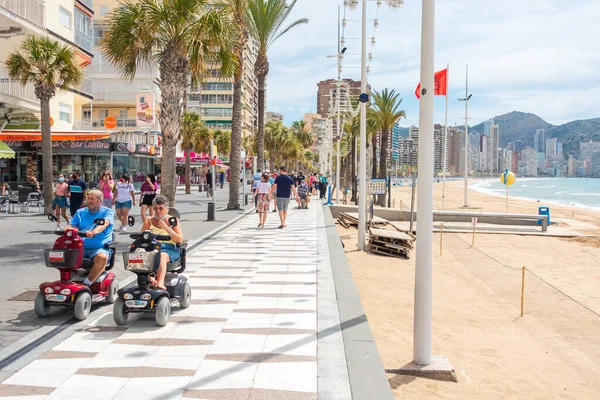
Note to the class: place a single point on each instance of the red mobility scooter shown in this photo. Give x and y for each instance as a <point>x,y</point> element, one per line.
<point>69,291</point>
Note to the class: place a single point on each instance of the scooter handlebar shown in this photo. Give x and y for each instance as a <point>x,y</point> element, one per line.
<point>163,237</point>
<point>135,236</point>
<point>60,233</point>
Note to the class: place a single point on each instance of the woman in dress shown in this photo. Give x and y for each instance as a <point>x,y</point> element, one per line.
<point>148,193</point>
<point>60,202</point>
<point>262,194</point>
<point>106,186</point>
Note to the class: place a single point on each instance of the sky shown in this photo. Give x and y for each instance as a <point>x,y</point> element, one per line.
<point>538,56</point>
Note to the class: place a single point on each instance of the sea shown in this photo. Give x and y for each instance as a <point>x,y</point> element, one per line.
<point>574,192</point>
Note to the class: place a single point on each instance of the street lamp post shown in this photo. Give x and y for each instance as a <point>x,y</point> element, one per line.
<point>466,100</point>
<point>362,169</point>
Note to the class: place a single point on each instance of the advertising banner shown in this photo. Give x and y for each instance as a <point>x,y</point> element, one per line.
<point>145,110</point>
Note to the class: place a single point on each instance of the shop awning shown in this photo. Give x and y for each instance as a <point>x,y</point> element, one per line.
<point>5,151</point>
<point>33,136</point>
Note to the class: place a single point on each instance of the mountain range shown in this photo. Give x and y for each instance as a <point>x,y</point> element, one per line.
<point>522,126</point>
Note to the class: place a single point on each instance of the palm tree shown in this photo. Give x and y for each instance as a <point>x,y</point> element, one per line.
<point>239,11</point>
<point>193,136</point>
<point>386,114</point>
<point>266,20</point>
<point>304,134</point>
<point>272,141</point>
<point>222,140</point>
<point>179,36</point>
<point>47,64</point>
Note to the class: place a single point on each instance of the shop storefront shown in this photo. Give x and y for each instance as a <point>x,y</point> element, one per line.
<point>91,157</point>
<point>136,160</point>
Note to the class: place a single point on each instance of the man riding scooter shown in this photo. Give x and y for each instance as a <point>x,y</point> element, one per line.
<point>95,239</point>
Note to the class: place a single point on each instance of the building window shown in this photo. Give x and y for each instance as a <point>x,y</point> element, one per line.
<point>87,115</point>
<point>83,30</point>
<point>217,99</point>
<point>103,114</point>
<point>64,17</point>
<point>194,97</point>
<point>217,86</point>
<point>64,112</point>
<point>123,114</point>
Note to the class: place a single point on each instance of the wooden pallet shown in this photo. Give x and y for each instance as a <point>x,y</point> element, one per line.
<point>343,223</point>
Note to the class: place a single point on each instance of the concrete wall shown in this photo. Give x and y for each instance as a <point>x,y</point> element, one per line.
<point>393,214</point>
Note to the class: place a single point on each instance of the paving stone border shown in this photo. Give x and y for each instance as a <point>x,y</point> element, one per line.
<point>365,369</point>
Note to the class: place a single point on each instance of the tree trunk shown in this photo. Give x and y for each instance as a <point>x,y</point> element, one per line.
<point>188,157</point>
<point>354,185</point>
<point>374,160</point>
<point>236,144</point>
<point>261,122</point>
<point>48,173</point>
<point>172,83</point>
<point>383,154</point>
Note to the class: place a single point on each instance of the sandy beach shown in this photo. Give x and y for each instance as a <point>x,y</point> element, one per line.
<point>552,352</point>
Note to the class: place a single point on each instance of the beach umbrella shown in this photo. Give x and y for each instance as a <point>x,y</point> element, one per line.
<point>5,151</point>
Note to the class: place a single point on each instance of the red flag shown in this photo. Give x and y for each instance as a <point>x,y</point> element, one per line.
<point>440,83</point>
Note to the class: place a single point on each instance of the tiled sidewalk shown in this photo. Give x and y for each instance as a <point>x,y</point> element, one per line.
<point>251,332</point>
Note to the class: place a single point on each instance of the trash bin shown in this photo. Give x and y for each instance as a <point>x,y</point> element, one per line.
<point>544,211</point>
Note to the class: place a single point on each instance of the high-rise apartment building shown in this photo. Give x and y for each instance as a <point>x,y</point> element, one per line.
<point>70,23</point>
<point>539,141</point>
<point>316,125</point>
<point>487,125</point>
<point>528,164</point>
<point>324,89</point>
<point>273,116</point>
<point>455,139</point>
<point>494,145</point>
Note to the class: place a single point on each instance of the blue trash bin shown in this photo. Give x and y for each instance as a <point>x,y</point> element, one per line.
<point>544,211</point>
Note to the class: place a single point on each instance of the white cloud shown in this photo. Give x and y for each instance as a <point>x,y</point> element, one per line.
<point>537,56</point>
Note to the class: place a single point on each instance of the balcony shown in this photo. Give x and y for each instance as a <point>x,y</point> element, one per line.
<point>121,123</point>
<point>82,126</point>
<point>88,3</point>
<point>12,87</point>
<point>31,10</point>
<point>83,40</point>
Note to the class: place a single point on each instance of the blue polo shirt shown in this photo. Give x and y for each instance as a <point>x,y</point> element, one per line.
<point>284,185</point>
<point>84,221</point>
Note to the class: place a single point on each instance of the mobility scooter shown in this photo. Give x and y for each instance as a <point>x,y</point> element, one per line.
<point>143,298</point>
<point>69,291</point>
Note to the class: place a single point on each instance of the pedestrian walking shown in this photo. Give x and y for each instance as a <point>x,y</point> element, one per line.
<point>123,200</point>
<point>106,186</point>
<point>283,186</point>
<point>209,182</point>
<point>148,193</point>
<point>256,179</point>
<point>60,202</point>
<point>262,194</point>
<point>77,191</point>
<point>271,181</point>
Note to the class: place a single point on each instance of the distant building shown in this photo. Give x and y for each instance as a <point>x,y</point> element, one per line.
<point>539,141</point>
<point>528,164</point>
<point>273,116</point>
<point>487,125</point>
<point>325,87</point>
<point>541,162</point>
<point>395,146</point>
<point>494,145</point>
<point>518,146</point>
<point>456,140</point>
<point>317,126</point>
<point>551,148</point>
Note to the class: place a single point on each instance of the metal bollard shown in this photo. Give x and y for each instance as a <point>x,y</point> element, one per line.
<point>211,211</point>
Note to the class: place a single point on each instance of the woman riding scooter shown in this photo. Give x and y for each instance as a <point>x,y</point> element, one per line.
<point>159,225</point>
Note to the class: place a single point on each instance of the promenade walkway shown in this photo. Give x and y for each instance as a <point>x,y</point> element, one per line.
<point>263,324</point>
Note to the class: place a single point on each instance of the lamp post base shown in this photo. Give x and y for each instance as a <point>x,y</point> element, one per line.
<point>439,369</point>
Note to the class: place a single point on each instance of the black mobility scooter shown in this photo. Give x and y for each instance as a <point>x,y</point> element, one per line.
<point>142,259</point>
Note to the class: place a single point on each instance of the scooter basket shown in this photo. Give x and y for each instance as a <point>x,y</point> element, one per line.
<point>62,258</point>
<point>140,261</point>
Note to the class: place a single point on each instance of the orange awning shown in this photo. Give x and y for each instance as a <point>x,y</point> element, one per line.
<point>33,136</point>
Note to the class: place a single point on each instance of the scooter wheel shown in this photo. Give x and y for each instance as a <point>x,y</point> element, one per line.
<point>83,305</point>
<point>186,300</point>
<point>163,311</point>
<point>119,313</point>
<point>41,309</point>
<point>112,295</point>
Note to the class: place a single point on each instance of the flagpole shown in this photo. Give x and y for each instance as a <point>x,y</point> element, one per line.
<point>445,143</point>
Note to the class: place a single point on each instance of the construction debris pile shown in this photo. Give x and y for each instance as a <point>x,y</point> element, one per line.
<point>351,219</point>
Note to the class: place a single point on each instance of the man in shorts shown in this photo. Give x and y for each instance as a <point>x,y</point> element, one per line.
<point>283,186</point>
